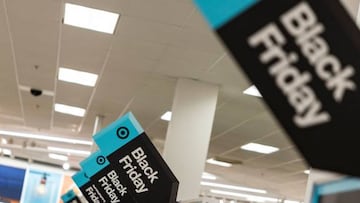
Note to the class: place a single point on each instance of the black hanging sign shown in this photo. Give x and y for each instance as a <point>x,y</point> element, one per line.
<point>106,179</point>
<point>137,162</point>
<point>89,190</point>
<point>303,56</point>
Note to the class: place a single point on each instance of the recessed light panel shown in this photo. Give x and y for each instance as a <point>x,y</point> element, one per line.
<point>233,187</point>
<point>89,18</point>
<point>50,138</point>
<point>218,163</point>
<point>166,116</point>
<point>263,149</point>
<point>71,110</point>
<point>252,198</point>
<point>252,91</point>
<point>58,157</point>
<point>66,166</point>
<point>77,77</point>
<point>6,152</point>
<point>69,151</point>
<point>208,176</point>
<point>291,201</point>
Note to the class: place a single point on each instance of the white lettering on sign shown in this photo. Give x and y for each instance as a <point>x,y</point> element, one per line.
<point>134,176</point>
<point>94,194</point>
<point>302,24</point>
<point>109,190</point>
<point>116,182</point>
<point>139,158</point>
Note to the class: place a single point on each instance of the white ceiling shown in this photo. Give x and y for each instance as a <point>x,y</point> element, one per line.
<point>155,43</point>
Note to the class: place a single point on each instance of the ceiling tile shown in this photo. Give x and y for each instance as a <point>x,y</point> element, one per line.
<point>197,21</point>
<point>83,49</point>
<point>233,114</point>
<point>137,49</point>
<point>199,40</point>
<point>73,94</point>
<point>124,87</point>
<point>66,121</point>
<point>299,165</point>
<point>115,6</point>
<point>241,155</point>
<point>152,100</point>
<point>37,110</point>
<point>177,68</point>
<point>145,30</point>
<point>158,130</point>
<point>10,101</point>
<point>278,139</point>
<point>228,142</point>
<point>35,40</point>
<point>128,64</point>
<point>276,158</point>
<point>164,11</point>
<point>225,71</point>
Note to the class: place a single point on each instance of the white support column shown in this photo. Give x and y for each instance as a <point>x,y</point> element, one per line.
<point>189,132</point>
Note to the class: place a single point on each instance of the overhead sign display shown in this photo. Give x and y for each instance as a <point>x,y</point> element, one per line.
<point>89,190</point>
<point>105,179</point>
<point>303,56</point>
<point>137,162</point>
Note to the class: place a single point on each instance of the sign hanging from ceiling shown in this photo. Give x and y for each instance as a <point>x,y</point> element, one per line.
<point>137,162</point>
<point>127,168</point>
<point>105,179</point>
<point>303,56</point>
<point>89,190</point>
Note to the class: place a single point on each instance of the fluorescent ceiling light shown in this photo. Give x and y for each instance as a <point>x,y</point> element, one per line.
<point>246,196</point>
<point>71,110</point>
<point>263,149</point>
<point>166,116</point>
<point>307,172</point>
<point>219,163</point>
<point>252,91</point>
<point>208,176</point>
<point>77,77</point>
<point>89,18</point>
<point>233,187</point>
<point>255,199</point>
<point>69,151</point>
<point>291,201</point>
<point>221,201</point>
<point>66,166</point>
<point>4,141</point>
<point>6,152</point>
<point>58,157</point>
<point>44,137</point>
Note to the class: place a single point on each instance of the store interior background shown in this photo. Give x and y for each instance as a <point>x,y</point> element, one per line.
<point>156,42</point>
